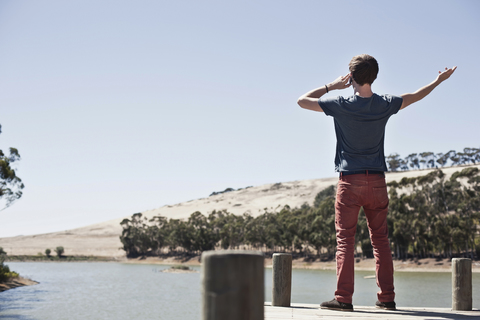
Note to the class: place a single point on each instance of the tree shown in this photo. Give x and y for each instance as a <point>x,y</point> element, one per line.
<point>229,228</point>
<point>413,160</point>
<point>136,237</point>
<point>403,165</point>
<point>321,225</point>
<point>204,237</point>
<point>47,252</point>
<point>59,251</point>
<point>328,192</point>
<point>10,184</point>
<point>393,161</point>
<point>471,154</point>
<point>428,159</point>
<point>442,158</point>
<point>454,157</point>
<point>158,233</point>
<point>180,235</point>
<point>5,272</point>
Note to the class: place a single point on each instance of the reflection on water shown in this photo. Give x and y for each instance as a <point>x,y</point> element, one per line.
<point>128,291</point>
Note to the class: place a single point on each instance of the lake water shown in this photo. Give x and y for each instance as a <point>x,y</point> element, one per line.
<point>133,291</point>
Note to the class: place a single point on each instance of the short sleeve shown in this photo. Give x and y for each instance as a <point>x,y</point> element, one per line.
<point>330,106</point>
<point>395,103</point>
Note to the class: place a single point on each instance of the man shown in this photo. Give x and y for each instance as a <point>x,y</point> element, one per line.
<point>360,122</point>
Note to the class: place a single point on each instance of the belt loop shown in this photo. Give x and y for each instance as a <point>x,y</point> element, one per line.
<point>367,173</point>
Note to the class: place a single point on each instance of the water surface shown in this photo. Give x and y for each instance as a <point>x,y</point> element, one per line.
<point>133,291</point>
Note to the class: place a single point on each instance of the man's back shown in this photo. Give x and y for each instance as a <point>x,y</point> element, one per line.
<point>360,129</point>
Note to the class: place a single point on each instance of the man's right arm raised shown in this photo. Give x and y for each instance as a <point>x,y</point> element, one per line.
<point>409,98</point>
<point>309,100</point>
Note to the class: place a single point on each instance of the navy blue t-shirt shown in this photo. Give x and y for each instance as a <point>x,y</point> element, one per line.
<point>360,129</point>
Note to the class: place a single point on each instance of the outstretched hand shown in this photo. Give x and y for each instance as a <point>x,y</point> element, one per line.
<point>442,76</point>
<point>341,82</point>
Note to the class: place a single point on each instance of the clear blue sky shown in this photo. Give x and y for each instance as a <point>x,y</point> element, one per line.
<point>118,107</point>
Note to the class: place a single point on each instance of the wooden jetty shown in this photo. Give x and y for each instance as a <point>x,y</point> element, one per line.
<point>302,311</point>
<point>233,289</point>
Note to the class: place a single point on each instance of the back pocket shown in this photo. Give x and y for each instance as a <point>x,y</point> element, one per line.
<point>380,195</point>
<point>349,194</point>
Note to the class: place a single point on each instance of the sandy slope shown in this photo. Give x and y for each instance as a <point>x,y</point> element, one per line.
<point>102,239</point>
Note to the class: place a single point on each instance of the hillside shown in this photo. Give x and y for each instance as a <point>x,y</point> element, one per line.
<point>102,239</point>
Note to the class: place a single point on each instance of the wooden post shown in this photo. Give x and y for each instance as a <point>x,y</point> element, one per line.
<point>233,285</point>
<point>461,284</point>
<point>282,279</point>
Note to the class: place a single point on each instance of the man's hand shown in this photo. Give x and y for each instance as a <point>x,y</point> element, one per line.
<point>340,83</point>
<point>310,99</point>
<point>442,76</point>
<point>409,98</point>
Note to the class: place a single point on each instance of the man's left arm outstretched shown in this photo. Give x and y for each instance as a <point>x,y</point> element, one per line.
<point>409,98</point>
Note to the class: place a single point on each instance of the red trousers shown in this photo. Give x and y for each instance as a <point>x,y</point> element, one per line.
<point>370,192</point>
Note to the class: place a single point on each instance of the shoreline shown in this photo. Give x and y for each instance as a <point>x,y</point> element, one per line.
<point>16,282</point>
<point>420,265</point>
<point>81,258</point>
<point>408,265</point>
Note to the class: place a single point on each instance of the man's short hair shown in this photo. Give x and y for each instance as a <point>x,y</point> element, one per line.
<point>364,69</point>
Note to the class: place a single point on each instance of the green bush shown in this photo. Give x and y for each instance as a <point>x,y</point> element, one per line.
<point>59,251</point>
<point>5,272</point>
<point>180,267</point>
<point>47,252</point>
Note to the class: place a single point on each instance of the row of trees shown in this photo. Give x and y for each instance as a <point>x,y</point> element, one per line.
<point>432,215</point>
<point>433,160</point>
<point>287,230</point>
<point>429,216</point>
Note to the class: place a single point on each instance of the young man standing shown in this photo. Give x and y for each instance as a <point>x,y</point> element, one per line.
<point>360,122</point>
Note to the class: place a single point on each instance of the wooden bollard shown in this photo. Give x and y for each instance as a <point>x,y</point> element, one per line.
<point>233,285</point>
<point>282,279</point>
<point>461,284</point>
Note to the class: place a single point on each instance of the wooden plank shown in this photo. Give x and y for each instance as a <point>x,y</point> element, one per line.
<point>301,311</point>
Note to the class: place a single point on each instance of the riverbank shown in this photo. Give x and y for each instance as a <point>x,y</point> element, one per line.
<point>409,265</point>
<point>15,283</point>
<point>43,258</point>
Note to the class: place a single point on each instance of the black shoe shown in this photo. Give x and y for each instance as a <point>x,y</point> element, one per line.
<point>386,305</point>
<point>336,305</point>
